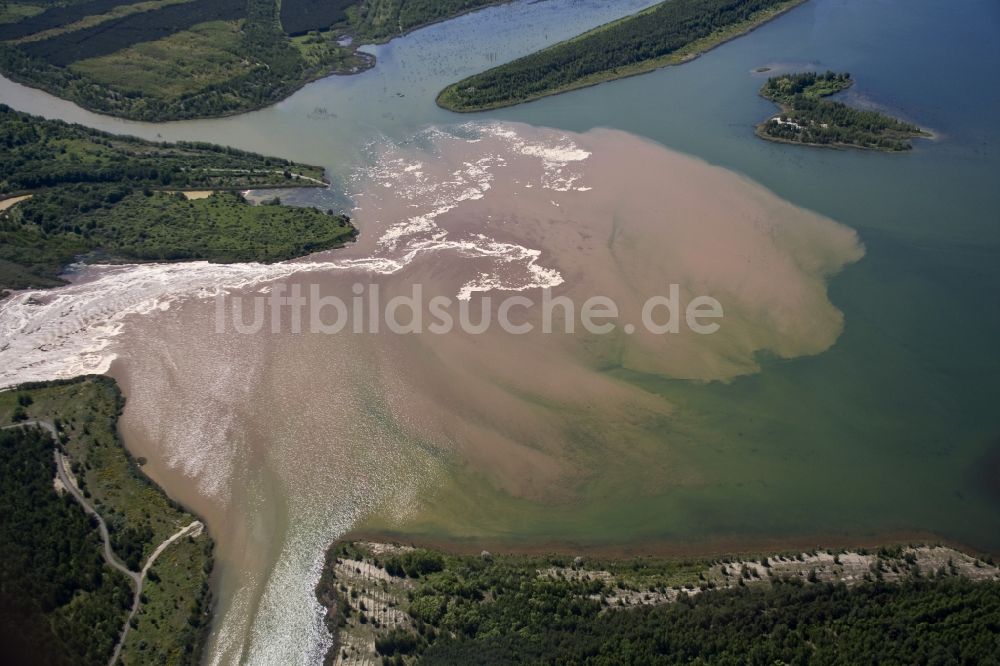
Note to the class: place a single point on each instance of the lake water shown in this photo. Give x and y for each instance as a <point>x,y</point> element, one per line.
<point>888,426</point>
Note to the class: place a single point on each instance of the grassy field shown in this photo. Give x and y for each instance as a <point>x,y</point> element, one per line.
<point>12,12</point>
<point>38,153</point>
<point>92,20</point>
<point>139,515</point>
<point>670,33</point>
<point>184,63</point>
<point>317,48</point>
<point>177,599</point>
<point>134,27</point>
<point>166,60</point>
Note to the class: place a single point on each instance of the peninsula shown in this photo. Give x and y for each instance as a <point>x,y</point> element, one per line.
<point>79,194</point>
<point>178,59</point>
<point>669,33</point>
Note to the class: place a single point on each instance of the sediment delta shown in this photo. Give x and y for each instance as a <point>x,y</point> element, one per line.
<point>283,441</point>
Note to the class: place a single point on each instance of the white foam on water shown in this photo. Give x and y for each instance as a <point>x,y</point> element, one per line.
<point>288,627</point>
<point>555,156</point>
<point>70,330</point>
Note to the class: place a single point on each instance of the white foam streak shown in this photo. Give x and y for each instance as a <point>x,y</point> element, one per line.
<point>70,330</point>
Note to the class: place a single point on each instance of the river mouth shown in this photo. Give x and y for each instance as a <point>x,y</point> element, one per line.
<point>284,434</point>
<point>884,431</point>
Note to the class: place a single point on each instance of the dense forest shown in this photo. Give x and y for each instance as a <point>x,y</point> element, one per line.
<point>59,603</point>
<point>255,65</point>
<point>951,621</point>
<point>646,40</point>
<point>40,153</point>
<point>197,58</point>
<point>435,608</point>
<point>57,14</point>
<point>809,119</point>
<point>301,16</point>
<point>381,20</point>
<point>117,34</point>
<point>102,196</point>
<point>40,236</point>
<point>52,574</point>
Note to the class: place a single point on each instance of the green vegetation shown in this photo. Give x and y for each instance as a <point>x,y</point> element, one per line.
<point>99,196</point>
<point>12,12</point>
<point>208,54</point>
<point>316,47</point>
<point>89,20</point>
<point>938,605</point>
<point>178,59</point>
<point>194,59</point>
<point>809,119</point>
<point>171,626</point>
<point>59,603</point>
<point>42,16</point>
<point>299,17</point>
<point>952,621</point>
<point>63,45</point>
<point>381,20</point>
<point>669,33</point>
<point>38,153</point>
<point>108,223</point>
<point>173,618</point>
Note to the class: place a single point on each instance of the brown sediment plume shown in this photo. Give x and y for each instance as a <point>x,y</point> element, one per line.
<point>283,440</point>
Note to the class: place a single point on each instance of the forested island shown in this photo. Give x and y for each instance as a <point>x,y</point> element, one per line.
<point>61,600</point>
<point>407,604</point>
<point>84,194</point>
<point>174,59</point>
<point>669,33</point>
<point>807,118</point>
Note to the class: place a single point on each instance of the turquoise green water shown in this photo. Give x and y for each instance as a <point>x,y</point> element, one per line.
<point>886,431</point>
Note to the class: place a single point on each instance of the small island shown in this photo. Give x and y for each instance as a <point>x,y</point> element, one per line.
<point>807,118</point>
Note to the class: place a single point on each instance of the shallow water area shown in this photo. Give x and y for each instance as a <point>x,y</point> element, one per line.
<point>850,393</point>
<point>295,436</point>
